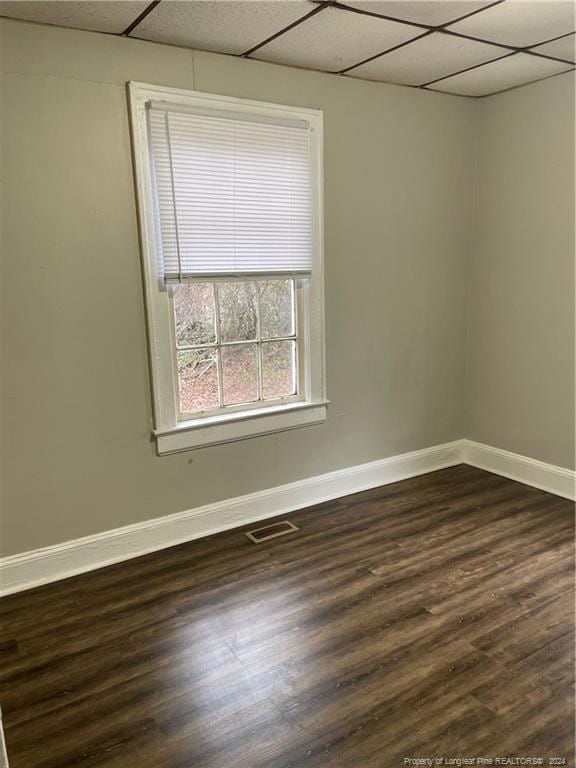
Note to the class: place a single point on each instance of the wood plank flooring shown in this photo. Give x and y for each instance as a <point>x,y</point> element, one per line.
<point>429,618</point>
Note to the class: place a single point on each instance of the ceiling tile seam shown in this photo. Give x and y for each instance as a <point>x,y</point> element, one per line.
<point>149,8</point>
<point>322,6</point>
<point>413,40</point>
<point>468,15</point>
<point>552,39</point>
<point>518,85</point>
<point>451,93</point>
<point>528,52</point>
<point>505,46</point>
<point>383,53</point>
<point>469,95</point>
<point>374,15</point>
<point>431,90</point>
<point>440,30</point>
<point>498,58</point>
<point>377,82</point>
<point>468,69</point>
<point>475,39</point>
<point>528,48</point>
<point>58,26</point>
<point>409,22</point>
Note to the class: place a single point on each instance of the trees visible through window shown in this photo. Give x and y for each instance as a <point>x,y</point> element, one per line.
<point>236,343</point>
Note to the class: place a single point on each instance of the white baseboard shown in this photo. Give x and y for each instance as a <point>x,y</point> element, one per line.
<point>41,566</point>
<point>547,477</point>
<point>3,754</point>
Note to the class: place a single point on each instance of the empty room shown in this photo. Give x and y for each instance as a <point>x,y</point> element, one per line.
<point>287,383</point>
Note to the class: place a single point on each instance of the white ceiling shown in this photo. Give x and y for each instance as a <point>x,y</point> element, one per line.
<point>334,39</point>
<point>102,16</point>
<point>226,26</point>
<point>423,43</point>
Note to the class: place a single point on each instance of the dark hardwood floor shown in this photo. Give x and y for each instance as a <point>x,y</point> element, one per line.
<point>429,618</point>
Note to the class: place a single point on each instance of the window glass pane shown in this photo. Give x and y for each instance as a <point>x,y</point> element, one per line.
<point>194,314</point>
<point>278,369</point>
<point>237,302</point>
<point>197,380</point>
<point>276,308</point>
<point>240,373</point>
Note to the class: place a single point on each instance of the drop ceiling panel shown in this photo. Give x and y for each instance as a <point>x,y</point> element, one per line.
<point>420,11</point>
<point>224,26</point>
<point>517,69</point>
<point>335,39</point>
<point>521,22</point>
<point>98,16</point>
<point>565,48</point>
<point>427,59</point>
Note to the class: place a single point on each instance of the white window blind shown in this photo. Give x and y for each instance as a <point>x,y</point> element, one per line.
<point>232,194</point>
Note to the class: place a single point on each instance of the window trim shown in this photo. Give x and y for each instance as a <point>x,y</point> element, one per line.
<point>171,434</point>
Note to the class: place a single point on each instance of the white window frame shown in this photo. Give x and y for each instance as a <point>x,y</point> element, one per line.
<point>173,435</point>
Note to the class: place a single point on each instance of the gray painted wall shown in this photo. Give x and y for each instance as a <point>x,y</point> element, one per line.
<point>521,337</point>
<point>76,404</point>
<point>440,323</point>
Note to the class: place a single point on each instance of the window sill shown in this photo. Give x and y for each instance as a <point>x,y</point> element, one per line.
<point>197,433</point>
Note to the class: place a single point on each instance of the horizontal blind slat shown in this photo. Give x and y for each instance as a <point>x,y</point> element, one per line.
<point>232,196</point>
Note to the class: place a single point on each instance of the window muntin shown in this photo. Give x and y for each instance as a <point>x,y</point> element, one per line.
<point>237,345</point>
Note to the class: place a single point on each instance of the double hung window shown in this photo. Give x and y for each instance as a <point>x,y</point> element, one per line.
<point>230,196</point>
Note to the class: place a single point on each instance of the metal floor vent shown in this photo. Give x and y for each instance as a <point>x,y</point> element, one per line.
<point>258,535</point>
